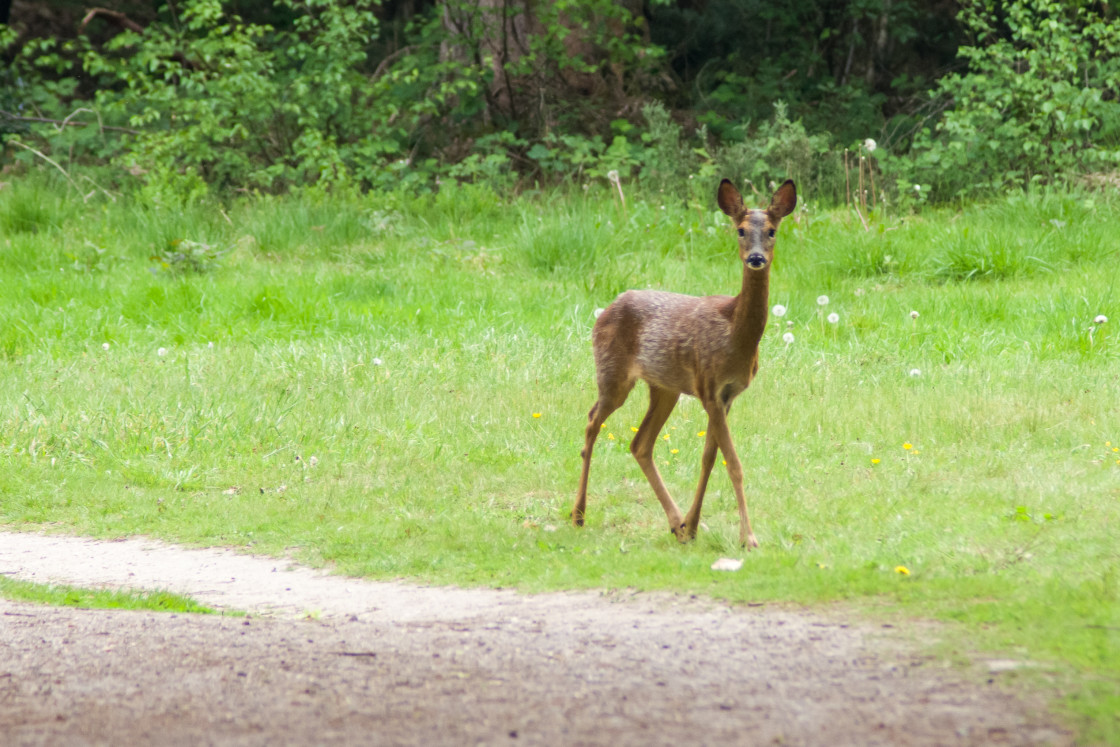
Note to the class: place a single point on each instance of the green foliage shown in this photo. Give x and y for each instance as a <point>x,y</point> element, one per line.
<point>187,256</point>
<point>1037,104</point>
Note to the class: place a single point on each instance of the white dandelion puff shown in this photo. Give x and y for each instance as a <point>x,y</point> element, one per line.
<point>104,346</point>
<point>870,145</point>
<point>914,315</point>
<point>788,337</point>
<point>779,310</point>
<point>822,300</point>
<point>833,318</point>
<point>1100,319</point>
<point>915,372</point>
<point>161,352</point>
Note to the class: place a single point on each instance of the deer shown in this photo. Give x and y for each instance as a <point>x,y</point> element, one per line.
<point>703,346</point>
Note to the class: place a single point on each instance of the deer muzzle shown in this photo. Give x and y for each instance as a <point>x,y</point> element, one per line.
<point>756,260</point>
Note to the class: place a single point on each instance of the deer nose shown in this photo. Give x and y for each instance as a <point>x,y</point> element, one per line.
<point>756,261</point>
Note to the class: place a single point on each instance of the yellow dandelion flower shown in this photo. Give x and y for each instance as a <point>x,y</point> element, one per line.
<point>665,437</point>
<point>633,429</point>
<point>701,434</point>
<point>901,569</point>
<point>610,436</point>
<point>875,461</point>
<point>908,446</point>
<point>674,451</point>
<point>536,414</point>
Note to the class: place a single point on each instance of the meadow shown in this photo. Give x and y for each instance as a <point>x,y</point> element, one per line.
<point>397,387</point>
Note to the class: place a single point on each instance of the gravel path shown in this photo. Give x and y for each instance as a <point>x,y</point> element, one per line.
<point>389,663</point>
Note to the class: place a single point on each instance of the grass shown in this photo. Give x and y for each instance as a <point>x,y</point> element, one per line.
<point>356,382</point>
<point>100,599</point>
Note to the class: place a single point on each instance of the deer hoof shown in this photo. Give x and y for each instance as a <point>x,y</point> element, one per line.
<point>750,542</point>
<point>682,534</point>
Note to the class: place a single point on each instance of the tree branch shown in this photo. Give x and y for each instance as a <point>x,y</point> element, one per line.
<point>116,16</point>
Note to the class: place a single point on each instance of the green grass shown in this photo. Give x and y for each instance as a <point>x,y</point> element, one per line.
<point>99,599</point>
<point>368,401</point>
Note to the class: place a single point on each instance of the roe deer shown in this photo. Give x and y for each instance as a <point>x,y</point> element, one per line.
<point>706,347</point>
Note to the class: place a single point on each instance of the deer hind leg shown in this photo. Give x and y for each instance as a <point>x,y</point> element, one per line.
<point>661,404</point>
<point>717,424</point>
<point>610,399</point>
<point>692,519</point>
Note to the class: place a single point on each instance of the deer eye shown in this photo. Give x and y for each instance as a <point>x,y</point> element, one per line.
<point>771,234</point>
<point>742,233</point>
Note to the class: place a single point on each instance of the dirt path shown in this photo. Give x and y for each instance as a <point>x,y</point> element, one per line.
<point>396,664</point>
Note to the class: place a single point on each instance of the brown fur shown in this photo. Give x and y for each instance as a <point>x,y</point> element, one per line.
<point>703,346</point>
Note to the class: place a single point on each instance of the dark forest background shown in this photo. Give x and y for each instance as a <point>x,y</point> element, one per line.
<point>939,98</point>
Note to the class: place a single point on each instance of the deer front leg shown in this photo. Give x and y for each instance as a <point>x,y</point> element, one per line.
<point>661,404</point>
<point>692,518</point>
<point>717,424</point>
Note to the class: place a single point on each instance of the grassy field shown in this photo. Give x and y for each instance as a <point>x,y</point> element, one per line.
<point>398,387</point>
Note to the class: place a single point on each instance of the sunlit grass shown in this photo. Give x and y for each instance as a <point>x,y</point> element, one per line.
<point>100,599</point>
<point>399,387</point>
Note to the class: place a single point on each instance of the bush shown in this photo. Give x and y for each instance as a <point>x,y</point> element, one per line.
<point>1037,104</point>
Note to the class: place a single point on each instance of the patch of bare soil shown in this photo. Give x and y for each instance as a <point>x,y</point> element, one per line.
<point>396,664</point>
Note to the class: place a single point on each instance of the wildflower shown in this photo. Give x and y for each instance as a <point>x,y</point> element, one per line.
<point>210,345</point>
<point>674,451</point>
<point>833,318</point>
<point>779,310</point>
<point>161,352</point>
<point>377,361</point>
<point>1100,319</point>
<point>610,436</point>
<point>633,429</point>
<point>875,461</point>
<point>597,312</point>
<point>915,372</point>
<point>901,569</point>
<point>701,434</point>
<point>908,446</point>
<point>665,437</point>
<point>536,414</point>
<point>870,145</point>
<point>914,315</point>
<point>917,187</point>
<point>313,461</point>
<point>822,300</point>
<point>104,346</point>
<point>787,337</point>
<point>613,175</point>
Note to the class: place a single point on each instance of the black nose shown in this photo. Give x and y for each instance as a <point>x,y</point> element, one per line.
<point>756,261</point>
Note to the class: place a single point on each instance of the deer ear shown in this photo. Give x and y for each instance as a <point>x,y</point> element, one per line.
<point>729,199</point>
<point>784,200</point>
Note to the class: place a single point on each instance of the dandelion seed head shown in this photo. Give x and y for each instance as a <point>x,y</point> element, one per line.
<point>833,318</point>
<point>914,315</point>
<point>870,145</point>
<point>779,310</point>
<point>1100,319</point>
<point>613,175</point>
<point>822,300</point>
<point>787,338</point>
<point>104,346</point>
<point>915,372</point>
<point>161,352</point>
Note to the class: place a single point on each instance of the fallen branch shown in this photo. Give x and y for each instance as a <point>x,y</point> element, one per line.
<point>64,122</point>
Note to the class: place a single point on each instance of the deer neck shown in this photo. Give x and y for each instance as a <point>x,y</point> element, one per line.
<point>751,308</point>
